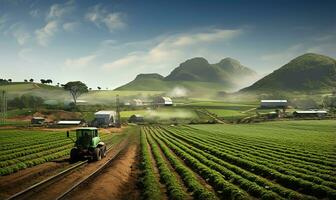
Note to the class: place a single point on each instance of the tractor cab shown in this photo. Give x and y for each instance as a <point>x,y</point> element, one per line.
<point>87,137</point>
<point>87,144</point>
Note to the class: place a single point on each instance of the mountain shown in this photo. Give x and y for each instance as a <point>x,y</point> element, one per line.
<point>305,73</point>
<point>195,74</point>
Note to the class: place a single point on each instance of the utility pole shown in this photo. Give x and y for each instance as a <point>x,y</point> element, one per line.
<point>3,107</point>
<point>118,121</point>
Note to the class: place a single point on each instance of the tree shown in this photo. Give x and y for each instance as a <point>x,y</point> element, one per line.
<point>10,80</point>
<point>49,81</point>
<point>76,88</point>
<point>31,80</point>
<point>99,88</point>
<point>26,80</point>
<point>43,81</point>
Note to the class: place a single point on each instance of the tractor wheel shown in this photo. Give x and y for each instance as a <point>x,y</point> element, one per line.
<point>73,155</point>
<point>103,150</point>
<point>97,154</point>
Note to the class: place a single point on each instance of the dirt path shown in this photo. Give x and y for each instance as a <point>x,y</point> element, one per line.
<point>22,179</point>
<point>119,180</point>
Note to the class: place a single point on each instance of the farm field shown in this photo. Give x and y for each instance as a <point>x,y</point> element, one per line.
<point>21,149</point>
<point>274,160</point>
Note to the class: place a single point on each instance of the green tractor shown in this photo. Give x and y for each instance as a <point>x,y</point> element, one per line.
<point>87,145</point>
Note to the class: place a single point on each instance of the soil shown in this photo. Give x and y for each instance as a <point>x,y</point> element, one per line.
<point>118,181</point>
<point>22,179</point>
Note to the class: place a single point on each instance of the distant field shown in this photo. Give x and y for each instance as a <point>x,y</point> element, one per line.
<point>273,160</point>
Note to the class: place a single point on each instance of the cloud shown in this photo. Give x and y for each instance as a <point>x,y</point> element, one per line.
<point>172,49</point>
<point>3,20</point>
<point>44,34</point>
<point>284,55</point>
<point>79,62</point>
<point>35,13</point>
<point>70,26</point>
<point>19,32</point>
<point>60,10</point>
<point>24,54</point>
<point>101,17</point>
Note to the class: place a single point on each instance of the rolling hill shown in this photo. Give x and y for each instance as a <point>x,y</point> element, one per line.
<point>308,72</point>
<point>195,74</point>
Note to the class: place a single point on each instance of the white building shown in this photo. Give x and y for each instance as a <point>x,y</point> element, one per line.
<point>105,118</point>
<point>273,103</point>
<point>137,102</point>
<point>164,101</point>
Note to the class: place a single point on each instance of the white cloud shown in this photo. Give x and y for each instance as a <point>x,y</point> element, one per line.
<point>24,54</point>
<point>172,49</point>
<point>60,10</point>
<point>19,32</point>
<point>3,20</point>
<point>35,13</point>
<point>79,62</point>
<point>44,34</point>
<point>101,17</point>
<point>70,26</point>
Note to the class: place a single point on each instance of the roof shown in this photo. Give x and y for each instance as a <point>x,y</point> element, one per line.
<point>167,98</point>
<point>105,112</point>
<point>137,115</point>
<point>38,118</point>
<point>68,122</point>
<point>273,101</point>
<point>311,112</point>
<point>87,128</point>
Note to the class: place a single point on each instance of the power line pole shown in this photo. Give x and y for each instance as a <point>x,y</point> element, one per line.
<point>118,121</point>
<point>4,107</point>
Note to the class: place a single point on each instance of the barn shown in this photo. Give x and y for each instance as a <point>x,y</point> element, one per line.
<point>37,120</point>
<point>163,101</point>
<point>310,113</point>
<point>136,118</point>
<point>273,103</point>
<point>137,102</point>
<point>105,118</point>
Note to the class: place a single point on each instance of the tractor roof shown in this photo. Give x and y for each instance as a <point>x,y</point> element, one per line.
<point>87,128</point>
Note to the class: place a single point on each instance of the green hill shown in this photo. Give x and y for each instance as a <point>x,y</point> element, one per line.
<point>308,72</point>
<point>195,74</point>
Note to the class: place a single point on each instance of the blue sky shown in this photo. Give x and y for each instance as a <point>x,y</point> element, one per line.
<point>107,43</point>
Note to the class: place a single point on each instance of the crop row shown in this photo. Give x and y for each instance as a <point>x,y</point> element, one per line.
<point>297,157</point>
<point>273,161</point>
<point>225,188</point>
<point>174,188</point>
<point>220,166</point>
<point>190,180</point>
<point>150,186</point>
<point>285,180</point>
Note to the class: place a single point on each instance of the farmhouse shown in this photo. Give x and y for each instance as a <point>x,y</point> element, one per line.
<point>136,102</point>
<point>37,121</point>
<point>105,118</point>
<point>136,118</point>
<point>165,101</point>
<point>310,113</point>
<point>273,103</point>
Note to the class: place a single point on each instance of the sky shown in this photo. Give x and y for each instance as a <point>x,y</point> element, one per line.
<point>107,43</point>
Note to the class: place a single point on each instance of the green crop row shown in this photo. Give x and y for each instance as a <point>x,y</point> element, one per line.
<point>285,180</point>
<point>222,186</point>
<point>151,189</point>
<point>271,161</point>
<point>199,192</point>
<point>174,189</point>
<point>219,165</point>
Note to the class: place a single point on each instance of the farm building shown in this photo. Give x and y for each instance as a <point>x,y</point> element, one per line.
<point>69,122</point>
<point>273,103</point>
<point>136,118</point>
<point>37,120</point>
<point>164,101</point>
<point>104,118</point>
<point>310,113</point>
<point>137,102</point>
